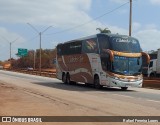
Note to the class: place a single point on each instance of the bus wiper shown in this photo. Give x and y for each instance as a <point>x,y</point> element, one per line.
<point>138,73</point>
<point>119,73</point>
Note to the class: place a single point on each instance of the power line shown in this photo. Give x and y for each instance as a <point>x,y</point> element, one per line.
<point>96,18</point>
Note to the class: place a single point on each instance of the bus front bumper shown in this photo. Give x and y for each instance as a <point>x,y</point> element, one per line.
<point>125,83</point>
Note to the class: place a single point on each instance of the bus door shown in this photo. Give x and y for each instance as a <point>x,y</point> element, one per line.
<point>95,60</point>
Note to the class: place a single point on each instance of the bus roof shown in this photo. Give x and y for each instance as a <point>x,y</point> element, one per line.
<point>94,36</point>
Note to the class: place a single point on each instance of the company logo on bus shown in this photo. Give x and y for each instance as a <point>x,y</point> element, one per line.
<point>75,59</point>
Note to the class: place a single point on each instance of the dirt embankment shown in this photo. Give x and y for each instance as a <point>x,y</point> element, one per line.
<point>16,101</point>
<point>151,82</point>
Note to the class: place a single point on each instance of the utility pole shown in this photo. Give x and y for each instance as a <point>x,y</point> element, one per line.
<point>40,52</point>
<point>10,46</point>
<point>130,19</point>
<point>10,43</point>
<point>34,60</point>
<point>40,49</point>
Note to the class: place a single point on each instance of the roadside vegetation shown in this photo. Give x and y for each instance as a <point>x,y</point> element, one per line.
<point>47,56</point>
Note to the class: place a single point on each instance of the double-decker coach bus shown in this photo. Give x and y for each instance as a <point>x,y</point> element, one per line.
<point>110,60</point>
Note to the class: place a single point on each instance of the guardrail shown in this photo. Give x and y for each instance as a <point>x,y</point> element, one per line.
<point>45,72</point>
<point>151,82</point>
<point>147,83</point>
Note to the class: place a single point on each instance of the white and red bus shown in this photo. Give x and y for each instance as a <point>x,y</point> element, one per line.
<point>110,60</point>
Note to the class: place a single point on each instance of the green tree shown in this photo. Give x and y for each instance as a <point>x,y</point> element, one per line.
<point>28,61</point>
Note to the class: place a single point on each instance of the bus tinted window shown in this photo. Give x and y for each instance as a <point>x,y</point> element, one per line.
<point>103,43</point>
<point>75,47</point>
<point>65,49</point>
<point>59,50</point>
<point>125,44</point>
<point>69,48</point>
<point>90,46</point>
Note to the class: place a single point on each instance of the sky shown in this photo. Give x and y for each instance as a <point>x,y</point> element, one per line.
<point>21,21</point>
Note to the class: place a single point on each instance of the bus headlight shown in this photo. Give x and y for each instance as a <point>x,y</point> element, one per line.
<point>125,80</point>
<point>116,78</point>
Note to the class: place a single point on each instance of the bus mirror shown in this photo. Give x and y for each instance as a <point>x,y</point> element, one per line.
<point>111,55</point>
<point>147,56</point>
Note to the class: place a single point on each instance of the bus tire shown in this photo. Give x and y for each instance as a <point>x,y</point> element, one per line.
<point>68,79</point>
<point>87,84</point>
<point>97,82</point>
<point>124,88</point>
<point>63,78</point>
<point>152,74</point>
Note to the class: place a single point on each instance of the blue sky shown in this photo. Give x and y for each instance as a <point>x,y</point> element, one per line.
<point>70,14</point>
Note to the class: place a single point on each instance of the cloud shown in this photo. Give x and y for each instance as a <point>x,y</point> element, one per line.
<point>148,35</point>
<point>150,26</point>
<point>50,12</point>
<point>155,2</point>
<point>7,37</point>
<point>61,14</point>
<point>64,14</point>
<point>149,39</point>
<point>119,30</point>
<point>136,26</point>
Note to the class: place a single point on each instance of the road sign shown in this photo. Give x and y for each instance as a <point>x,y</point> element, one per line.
<point>22,52</point>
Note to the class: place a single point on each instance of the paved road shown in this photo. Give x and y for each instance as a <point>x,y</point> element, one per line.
<point>87,100</point>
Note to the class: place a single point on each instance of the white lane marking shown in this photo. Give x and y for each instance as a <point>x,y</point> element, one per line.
<point>123,95</point>
<point>153,101</point>
<point>138,98</point>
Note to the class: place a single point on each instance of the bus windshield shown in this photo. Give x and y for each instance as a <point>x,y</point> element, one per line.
<point>125,44</point>
<point>127,66</point>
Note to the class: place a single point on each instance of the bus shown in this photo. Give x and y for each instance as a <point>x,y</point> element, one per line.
<point>110,60</point>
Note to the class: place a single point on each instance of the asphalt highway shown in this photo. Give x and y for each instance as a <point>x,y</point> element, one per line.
<point>88,100</point>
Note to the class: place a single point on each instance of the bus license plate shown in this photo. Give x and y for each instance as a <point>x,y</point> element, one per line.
<point>128,85</point>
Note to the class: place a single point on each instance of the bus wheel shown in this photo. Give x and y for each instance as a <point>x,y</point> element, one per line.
<point>152,75</point>
<point>124,88</point>
<point>87,84</point>
<point>64,78</point>
<point>68,79</point>
<point>97,82</point>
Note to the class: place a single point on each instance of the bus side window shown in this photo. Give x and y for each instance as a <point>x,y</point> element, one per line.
<point>75,47</point>
<point>90,46</point>
<point>71,48</point>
